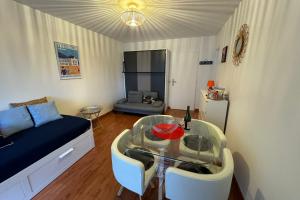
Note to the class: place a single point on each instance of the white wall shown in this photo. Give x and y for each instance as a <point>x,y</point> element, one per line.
<point>185,54</point>
<point>263,124</point>
<point>29,68</point>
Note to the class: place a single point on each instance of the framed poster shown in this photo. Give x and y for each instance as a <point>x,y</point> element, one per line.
<point>224,54</point>
<point>68,60</point>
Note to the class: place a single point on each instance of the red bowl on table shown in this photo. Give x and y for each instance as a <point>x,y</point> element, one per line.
<point>168,131</point>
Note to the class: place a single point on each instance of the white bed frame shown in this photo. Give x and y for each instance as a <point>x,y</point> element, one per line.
<point>30,181</point>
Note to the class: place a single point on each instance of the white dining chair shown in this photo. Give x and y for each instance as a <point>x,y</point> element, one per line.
<point>215,135</point>
<point>152,120</point>
<point>182,185</point>
<point>130,173</point>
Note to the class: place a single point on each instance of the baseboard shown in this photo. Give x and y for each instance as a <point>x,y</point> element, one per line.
<point>235,190</point>
<point>105,114</point>
<point>102,116</point>
<point>195,110</point>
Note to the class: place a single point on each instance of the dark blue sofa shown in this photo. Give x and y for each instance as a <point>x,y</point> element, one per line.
<point>33,144</point>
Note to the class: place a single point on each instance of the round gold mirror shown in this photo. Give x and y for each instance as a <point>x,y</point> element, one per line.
<point>240,44</point>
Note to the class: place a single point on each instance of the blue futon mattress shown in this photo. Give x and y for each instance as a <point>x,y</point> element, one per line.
<point>33,144</point>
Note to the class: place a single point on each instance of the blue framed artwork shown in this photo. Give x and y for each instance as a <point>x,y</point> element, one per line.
<point>68,60</point>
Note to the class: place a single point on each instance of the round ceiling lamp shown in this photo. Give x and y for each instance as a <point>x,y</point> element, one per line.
<point>138,4</point>
<point>132,17</point>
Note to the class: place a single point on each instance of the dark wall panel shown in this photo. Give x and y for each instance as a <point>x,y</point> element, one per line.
<point>158,60</point>
<point>131,82</point>
<point>158,63</point>
<point>130,61</point>
<point>130,65</point>
<point>145,70</point>
<point>158,84</point>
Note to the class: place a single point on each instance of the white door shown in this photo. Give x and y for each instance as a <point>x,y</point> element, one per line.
<point>182,79</point>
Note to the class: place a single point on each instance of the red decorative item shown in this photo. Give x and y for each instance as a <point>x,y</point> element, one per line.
<point>215,95</point>
<point>210,83</point>
<point>168,131</point>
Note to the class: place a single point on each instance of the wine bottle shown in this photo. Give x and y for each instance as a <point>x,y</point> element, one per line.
<point>187,119</point>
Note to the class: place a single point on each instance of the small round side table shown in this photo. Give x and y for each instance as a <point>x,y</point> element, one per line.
<point>91,112</point>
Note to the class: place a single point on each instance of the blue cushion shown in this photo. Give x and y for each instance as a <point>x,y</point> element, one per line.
<point>135,97</point>
<point>43,113</point>
<point>14,120</point>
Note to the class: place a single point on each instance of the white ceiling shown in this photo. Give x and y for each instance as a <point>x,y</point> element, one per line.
<point>165,19</point>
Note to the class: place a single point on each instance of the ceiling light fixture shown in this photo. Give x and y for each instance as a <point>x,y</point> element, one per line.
<point>132,17</point>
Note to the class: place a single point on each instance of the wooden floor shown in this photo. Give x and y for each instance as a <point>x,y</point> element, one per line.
<point>92,178</point>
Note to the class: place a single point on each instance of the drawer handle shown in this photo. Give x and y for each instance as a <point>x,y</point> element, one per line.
<point>66,153</point>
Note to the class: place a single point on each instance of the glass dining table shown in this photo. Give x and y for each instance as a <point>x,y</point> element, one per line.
<point>163,137</point>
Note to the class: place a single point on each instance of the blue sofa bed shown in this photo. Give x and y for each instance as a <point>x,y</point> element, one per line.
<point>32,144</point>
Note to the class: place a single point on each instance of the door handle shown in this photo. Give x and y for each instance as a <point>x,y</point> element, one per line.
<point>173,82</point>
<point>66,153</point>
